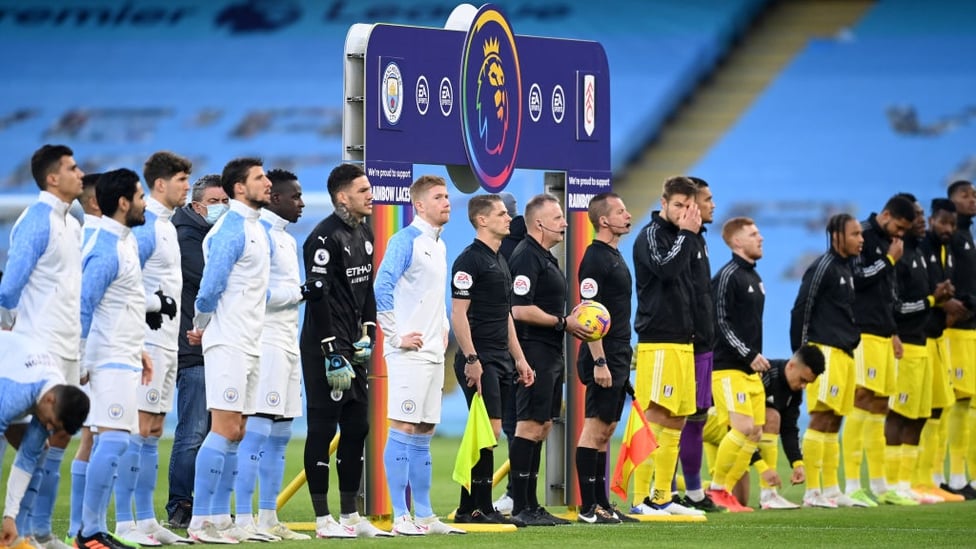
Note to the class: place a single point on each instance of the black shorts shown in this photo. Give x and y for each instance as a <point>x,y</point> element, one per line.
<point>542,401</point>
<point>497,381</point>
<point>318,393</point>
<point>607,404</point>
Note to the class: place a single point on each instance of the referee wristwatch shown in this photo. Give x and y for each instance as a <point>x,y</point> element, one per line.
<point>600,362</point>
<point>560,324</point>
<point>471,359</point>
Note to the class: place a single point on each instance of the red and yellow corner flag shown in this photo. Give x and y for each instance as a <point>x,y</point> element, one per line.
<point>638,443</point>
<point>478,434</point>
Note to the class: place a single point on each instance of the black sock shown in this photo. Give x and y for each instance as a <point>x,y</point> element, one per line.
<point>586,474</point>
<point>532,498</point>
<point>347,503</point>
<point>481,476</point>
<point>602,497</point>
<point>520,458</point>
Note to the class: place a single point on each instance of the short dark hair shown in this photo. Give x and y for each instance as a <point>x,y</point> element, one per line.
<point>481,204</point>
<point>599,206</point>
<point>163,165</point>
<point>89,179</point>
<point>956,185</point>
<point>114,185</point>
<point>908,196</point>
<point>942,205</point>
<point>341,177</point>
<point>699,182</point>
<point>46,160</point>
<point>279,178</point>
<point>202,184</point>
<point>900,208</point>
<point>235,171</point>
<point>679,184</point>
<point>71,407</point>
<point>812,357</point>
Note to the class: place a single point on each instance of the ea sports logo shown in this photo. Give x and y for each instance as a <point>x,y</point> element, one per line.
<point>491,98</point>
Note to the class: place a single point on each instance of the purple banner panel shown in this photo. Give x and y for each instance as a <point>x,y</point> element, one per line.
<point>582,186</point>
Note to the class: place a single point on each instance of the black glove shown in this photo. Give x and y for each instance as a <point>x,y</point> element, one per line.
<point>167,305</point>
<point>313,290</point>
<point>154,320</point>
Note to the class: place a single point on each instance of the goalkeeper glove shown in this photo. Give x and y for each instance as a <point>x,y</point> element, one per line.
<point>364,347</point>
<point>338,370</point>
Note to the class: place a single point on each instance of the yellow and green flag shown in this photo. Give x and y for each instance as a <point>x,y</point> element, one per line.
<point>478,434</point>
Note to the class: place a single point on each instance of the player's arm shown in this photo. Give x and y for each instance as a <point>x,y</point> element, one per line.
<point>591,277</point>
<point>725,288</point>
<point>870,268</point>
<point>223,250</point>
<point>667,260</point>
<point>98,270</point>
<point>806,298</point>
<point>396,261</point>
<point>28,242</point>
<point>525,371</point>
<point>25,462</point>
<point>789,433</point>
<point>319,256</point>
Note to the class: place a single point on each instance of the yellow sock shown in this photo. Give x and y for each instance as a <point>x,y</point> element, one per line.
<point>769,450</point>
<point>958,437</point>
<point>831,461</point>
<point>644,472</point>
<point>728,452</point>
<point>892,465</point>
<point>665,460</point>
<point>813,455</point>
<point>741,464</point>
<point>853,437</point>
<point>909,457</point>
<point>874,445</point>
<point>926,453</point>
<point>711,455</point>
<point>941,448</point>
<point>971,454</point>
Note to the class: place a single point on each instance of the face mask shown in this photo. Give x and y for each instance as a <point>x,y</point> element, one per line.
<point>214,211</point>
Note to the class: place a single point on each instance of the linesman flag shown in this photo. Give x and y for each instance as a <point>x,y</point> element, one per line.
<point>478,434</point>
<point>639,442</point>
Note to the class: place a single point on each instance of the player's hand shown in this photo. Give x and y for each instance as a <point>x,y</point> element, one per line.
<point>147,368</point>
<point>576,329</point>
<point>7,318</point>
<point>955,311</point>
<point>759,364</point>
<point>943,291</point>
<point>363,347</point>
<point>602,377</point>
<point>339,372</point>
<point>772,477</point>
<point>896,249</point>
<point>799,475</point>
<point>8,533</point>
<point>690,219</point>
<point>313,290</point>
<point>414,341</point>
<point>167,305</point>
<point>525,372</point>
<point>194,336</point>
<point>472,374</point>
<point>897,347</point>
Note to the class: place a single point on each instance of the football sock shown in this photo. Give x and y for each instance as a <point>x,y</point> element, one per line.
<point>103,466</point>
<point>146,481</point>
<point>853,438</point>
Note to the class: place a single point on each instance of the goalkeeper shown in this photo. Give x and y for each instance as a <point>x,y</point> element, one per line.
<point>336,346</point>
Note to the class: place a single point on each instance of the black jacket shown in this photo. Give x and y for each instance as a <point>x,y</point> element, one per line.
<point>701,282</point>
<point>662,267</point>
<point>964,276</point>
<point>874,282</point>
<point>739,302</point>
<point>191,227</point>
<point>786,401</point>
<point>516,233</point>
<point>940,265</point>
<point>824,308</point>
<point>915,299</point>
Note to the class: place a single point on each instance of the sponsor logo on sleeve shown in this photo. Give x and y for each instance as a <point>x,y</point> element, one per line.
<point>521,285</point>
<point>589,288</point>
<point>463,280</point>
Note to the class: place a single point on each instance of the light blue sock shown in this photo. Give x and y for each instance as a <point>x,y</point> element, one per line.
<point>209,466</point>
<point>79,469</point>
<point>272,468</point>
<point>221,498</point>
<point>397,462</point>
<point>125,486</point>
<point>418,449</point>
<point>146,481</point>
<point>46,493</point>
<point>24,521</point>
<point>252,446</point>
<point>103,466</point>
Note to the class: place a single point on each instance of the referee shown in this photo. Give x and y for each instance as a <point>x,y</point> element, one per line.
<point>481,315</point>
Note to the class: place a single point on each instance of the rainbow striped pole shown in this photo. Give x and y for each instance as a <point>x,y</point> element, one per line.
<point>386,220</point>
<point>578,237</point>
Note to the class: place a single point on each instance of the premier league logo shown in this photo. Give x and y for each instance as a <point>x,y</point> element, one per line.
<point>491,98</point>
